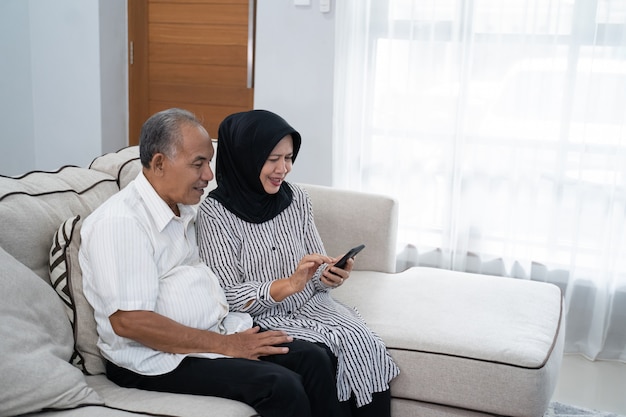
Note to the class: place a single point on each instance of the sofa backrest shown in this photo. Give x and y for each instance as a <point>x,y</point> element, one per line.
<point>345,219</point>
<point>33,206</point>
<point>124,165</point>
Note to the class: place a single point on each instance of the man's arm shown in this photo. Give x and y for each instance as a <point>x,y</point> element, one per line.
<point>161,333</point>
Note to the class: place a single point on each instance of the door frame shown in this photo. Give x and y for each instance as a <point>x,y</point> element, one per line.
<point>138,110</point>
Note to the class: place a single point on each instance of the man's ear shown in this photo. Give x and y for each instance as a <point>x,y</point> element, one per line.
<point>156,165</point>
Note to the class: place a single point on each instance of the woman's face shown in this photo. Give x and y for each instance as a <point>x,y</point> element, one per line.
<point>277,166</point>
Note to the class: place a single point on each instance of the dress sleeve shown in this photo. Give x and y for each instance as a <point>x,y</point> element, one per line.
<point>220,245</point>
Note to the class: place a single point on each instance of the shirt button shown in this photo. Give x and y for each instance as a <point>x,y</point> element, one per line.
<point>262,297</point>
<point>273,247</point>
<point>289,312</point>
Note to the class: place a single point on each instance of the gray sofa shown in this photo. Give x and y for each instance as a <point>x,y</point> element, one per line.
<point>466,344</point>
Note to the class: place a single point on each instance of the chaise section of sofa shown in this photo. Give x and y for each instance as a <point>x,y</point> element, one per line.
<point>464,342</point>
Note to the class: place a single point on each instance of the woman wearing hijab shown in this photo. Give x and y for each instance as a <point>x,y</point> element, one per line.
<point>256,232</point>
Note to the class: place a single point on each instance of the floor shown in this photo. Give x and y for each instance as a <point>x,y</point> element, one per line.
<point>599,385</point>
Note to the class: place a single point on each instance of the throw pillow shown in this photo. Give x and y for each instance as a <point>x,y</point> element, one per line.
<point>66,278</point>
<point>35,346</point>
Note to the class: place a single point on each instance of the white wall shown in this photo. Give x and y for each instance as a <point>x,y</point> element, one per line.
<point>63,82</point>
<point>294,66</point>
<point>65,71</point>
<point>17,136</point>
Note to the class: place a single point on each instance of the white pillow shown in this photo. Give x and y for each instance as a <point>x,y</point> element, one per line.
<point>36,344</point>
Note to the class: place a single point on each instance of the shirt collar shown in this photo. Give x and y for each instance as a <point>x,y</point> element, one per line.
<point>157,207</point>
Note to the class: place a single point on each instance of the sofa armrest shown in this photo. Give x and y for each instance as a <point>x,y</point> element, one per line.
<point>347,218</point>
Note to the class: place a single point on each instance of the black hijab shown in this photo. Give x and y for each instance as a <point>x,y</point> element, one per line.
<point>244,142</point>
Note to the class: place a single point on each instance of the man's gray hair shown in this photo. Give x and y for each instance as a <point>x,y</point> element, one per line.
<point>161,133</point>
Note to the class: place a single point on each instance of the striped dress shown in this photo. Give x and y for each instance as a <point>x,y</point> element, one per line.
<point>247,257</point>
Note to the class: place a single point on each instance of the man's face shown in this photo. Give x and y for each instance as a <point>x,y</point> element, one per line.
<point>185,176</point>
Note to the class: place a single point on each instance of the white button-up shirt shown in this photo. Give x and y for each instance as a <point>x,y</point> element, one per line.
<point>136,254</point>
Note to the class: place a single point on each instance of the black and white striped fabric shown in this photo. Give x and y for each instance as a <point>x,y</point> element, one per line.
<point>248,257</point>
<point>67,280</point>
<point>61,279</point>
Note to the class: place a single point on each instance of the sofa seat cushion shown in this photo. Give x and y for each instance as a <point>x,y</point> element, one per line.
<point>35,346</point>
<point>35,204</point>
<point>166,404</point>
<point>475,342</point>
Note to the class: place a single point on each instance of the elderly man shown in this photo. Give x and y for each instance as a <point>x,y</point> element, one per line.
<point>163,320</point>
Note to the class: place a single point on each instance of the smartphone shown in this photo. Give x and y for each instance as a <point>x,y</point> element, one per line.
<point>351,254</point>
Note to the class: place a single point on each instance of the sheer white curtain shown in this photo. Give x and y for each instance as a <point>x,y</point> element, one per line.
<point>500,128</point>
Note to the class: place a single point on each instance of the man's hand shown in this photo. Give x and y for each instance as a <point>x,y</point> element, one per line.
<point>252,344</point>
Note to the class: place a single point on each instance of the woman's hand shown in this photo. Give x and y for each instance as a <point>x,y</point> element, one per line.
<point>283,288</point>
<point>334,276</point>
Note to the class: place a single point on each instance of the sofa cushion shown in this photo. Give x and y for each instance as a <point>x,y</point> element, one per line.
<point>166,404</point>
<point>32,207</point>
<point>371,219</point>
<point>123,165</point>
<point>36,345</point>
<point>474,342</point>
<point>67,280</point>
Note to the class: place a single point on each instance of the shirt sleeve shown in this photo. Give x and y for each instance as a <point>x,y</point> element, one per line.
<point>119,268</point>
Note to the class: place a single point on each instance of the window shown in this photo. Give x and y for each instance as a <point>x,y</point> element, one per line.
<point>499,126</point>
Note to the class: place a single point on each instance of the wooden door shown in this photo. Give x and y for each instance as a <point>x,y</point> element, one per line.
<point>193,54</point>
